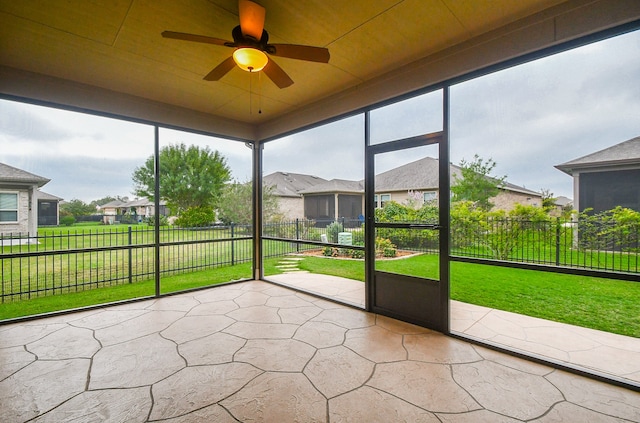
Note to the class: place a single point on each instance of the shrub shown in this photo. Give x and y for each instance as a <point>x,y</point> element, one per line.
<point>164,221</point>
<point>333,229</point>
<point>67,220</point>
<point>385,248</point>
<point>196,217</point>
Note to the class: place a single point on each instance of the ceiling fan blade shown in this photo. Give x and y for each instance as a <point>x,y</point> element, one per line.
<point>294,51</point>
<point>193,37</point>
<point>220,70</point>
<point>251,18</point>
<point>277,75</point>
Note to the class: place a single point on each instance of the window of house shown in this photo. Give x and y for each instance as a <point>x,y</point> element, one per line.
<point>429,196</point>
<point>375,201</point>
<point>384,198</point>
<point>8,207</point>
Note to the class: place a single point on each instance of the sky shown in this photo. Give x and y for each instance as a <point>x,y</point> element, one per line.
<point>527,119</point>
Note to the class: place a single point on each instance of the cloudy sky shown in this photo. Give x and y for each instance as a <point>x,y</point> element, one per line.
<point>527,119</point>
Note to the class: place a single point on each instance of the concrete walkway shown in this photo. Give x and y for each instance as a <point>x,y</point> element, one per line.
<point>602,352</point>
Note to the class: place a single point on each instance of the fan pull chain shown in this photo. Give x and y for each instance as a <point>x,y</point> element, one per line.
<point>259,93</point>
<point>250,92</point>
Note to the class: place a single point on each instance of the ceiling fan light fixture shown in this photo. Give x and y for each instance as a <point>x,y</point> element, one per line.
<point>250,59</point>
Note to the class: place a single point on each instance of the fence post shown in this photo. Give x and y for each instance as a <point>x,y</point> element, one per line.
<point>557,241</point>
<point>233,255</point>
<point>130,256</point>
<point>297,235</point>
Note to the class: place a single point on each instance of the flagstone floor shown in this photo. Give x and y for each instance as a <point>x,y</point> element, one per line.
<point>259,352</point>
<point>608,354</point>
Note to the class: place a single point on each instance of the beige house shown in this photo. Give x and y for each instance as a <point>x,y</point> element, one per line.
<point>413,183</point>
<point>22,204</point>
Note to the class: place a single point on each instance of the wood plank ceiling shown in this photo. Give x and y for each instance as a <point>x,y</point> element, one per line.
<point>116,45</point>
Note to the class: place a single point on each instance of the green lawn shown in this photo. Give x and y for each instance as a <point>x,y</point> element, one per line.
<point>603,304</point>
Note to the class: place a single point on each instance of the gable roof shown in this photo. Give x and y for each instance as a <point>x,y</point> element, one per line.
<point>290,184</point>
<point>623,154</point>
<point>48,197</point>
<point>10,174</point>
<point>336,186</point>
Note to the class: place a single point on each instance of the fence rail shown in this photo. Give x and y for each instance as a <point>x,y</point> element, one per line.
<point>70,261</point>
<point>73,261</point>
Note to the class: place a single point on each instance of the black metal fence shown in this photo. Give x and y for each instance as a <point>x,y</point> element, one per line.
<point>71,261</point>
<point>555,242</point>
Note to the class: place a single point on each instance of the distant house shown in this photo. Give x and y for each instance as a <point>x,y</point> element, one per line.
<point>287,187</point>
<point>22,205</point>
<point>416,182</point>
<point>139,208</point>
<point>607,178</point>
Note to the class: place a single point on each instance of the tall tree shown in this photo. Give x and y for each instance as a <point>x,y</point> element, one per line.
<point>76,208</point>
<point>237,205</point>
<point>477,184</point>
<point>190,176</point>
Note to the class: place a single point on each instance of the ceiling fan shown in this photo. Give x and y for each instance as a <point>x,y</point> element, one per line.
<point>251,42</point>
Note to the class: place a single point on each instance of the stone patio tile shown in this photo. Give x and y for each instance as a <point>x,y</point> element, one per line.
<point>174,303</point>
<point>104,406</point>
<point>337,370</point>
<point>346,317</point>
<point>254,286</point>
<point>298,315</point>
<point>16,335</point>
<point>278,355</point>
<point>598,396</point>
<point>609,359</point>
<point>261,330</point>
<point>426,385</point>
<point>562,338</point>
<point>106,318</point>
<point>507,391</point>
<point>477,416</point>
<point>14,359</point>
<point>193,388</point>
<point>397,326</point>
<point>193,327</point>
<point>141,361</point>
<point>251,298</point>
<point>567,412</point>
<point>218,348</point>
<point>29,392</point>
<point>437,348</point>
<point>216,307</point>
<point>321,334</point>
<point>532,347</point>
<point>497,322</point>
<point>278,397</point>
<point>148,323</point>
<point>68,342</point>
<point>370,405</point>
<point>376,344</point>
<point>512,361</point>
<point>220,293</point>
<point>287,301</point>
<point>213,414</point>
<point>256,314</point>
<point>277,291</point>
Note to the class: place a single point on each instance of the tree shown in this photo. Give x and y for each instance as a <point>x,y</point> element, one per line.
<point>476,184</point>
<point>76,208</point>
<point>237,205</point>
<point>548,200</point>
<point>189,177</point>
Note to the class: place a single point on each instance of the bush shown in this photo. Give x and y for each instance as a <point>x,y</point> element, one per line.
<point>164,221</point>
<point>67,220</point>
<point>333,229</point>
<point>385,248</point>
<point>196,217</point>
